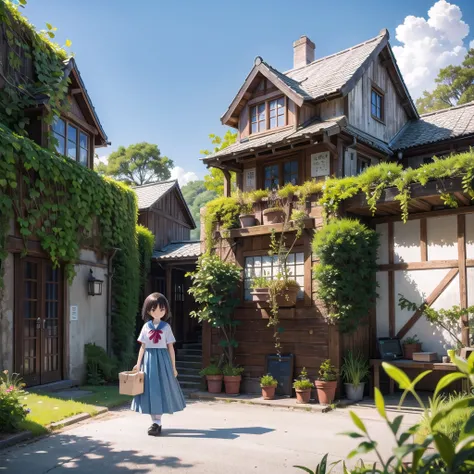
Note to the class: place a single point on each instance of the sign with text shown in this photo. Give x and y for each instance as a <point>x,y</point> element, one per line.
<point>73,313</point>
<point>249,179</point>
<point>320,164</point>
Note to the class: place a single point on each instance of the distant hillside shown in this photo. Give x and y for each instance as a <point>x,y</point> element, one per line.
<point>197,196</point>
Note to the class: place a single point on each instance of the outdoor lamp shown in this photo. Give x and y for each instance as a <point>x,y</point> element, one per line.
<point>94,285</point>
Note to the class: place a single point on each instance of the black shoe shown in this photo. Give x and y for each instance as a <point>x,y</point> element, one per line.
<point>154,430</point>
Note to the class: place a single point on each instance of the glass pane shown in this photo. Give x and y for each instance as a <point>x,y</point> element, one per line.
<point>254,128</point>
<point>273,122</point>
<point>299,257</point>
<point>30,290</point>
<point>83,157</point>
<point>273,104</point>
<point>31,270</point>
<point>71,149</point>
<point>72,133</point>
<point>83,140</point>
<point>59,126</point>
<point>253,113</point>
<point>30,310</point>
<point>281,103</point>
<point>60,146</point>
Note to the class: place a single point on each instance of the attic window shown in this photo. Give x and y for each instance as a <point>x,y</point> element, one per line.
<point>71,141</point>
<point>377,104</point>
<point>268,115</point>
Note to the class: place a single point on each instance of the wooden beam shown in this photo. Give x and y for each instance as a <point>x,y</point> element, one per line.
<point>463,277</point>
<point>420,204</point>
<point>227,183</point>
<point>431,265</point>
<point>440,213</point>
<point>423,240</point>
<point>429,301</point>
<point>309,223</point>
<point>391,282</point>
<point>464,200</point>
<point>327,141</point>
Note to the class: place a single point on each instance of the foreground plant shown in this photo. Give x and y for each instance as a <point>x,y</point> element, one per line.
<point>12,411</point>
<point>437,453</point>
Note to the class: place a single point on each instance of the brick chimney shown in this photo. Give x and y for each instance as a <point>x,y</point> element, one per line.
<point>303,52</point>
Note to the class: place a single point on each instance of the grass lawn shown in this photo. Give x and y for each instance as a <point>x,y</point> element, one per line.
<point>48,408</point>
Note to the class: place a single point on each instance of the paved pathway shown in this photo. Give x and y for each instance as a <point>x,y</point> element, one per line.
<point>208,437</point>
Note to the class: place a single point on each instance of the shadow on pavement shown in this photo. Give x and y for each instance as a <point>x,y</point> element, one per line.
<point>218,433</point>
<point>81,454</point>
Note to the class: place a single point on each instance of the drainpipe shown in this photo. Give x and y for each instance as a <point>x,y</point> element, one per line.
<point>110,274</point>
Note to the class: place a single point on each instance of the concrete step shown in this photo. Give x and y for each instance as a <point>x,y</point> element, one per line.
<point>189,358</point>
<point>193,364</point>
<point>188,370</point>
<point>189,378</point>
<point>55,386</point>
<point>193,345</point>
<point>188,352</point>
<point>185,385</point>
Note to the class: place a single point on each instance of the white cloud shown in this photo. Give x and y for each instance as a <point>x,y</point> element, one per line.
<point>103,159</point>
<point>183,177</point>
<point>430,44</point>
<point>471,44</point>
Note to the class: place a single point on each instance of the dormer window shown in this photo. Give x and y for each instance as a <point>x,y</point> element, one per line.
<point>71,141</point>
<point>268,115</point>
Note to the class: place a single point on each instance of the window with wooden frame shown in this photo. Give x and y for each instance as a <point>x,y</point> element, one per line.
<point>268,115</point>
<point>71,141</point>
<point>264,265</point>
<point>279,174</point>
<point>377,104</point>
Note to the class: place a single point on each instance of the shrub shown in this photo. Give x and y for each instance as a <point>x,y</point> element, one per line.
<point>268,381</point>
<point>12,411</point>
<point>347,251</point>
<point>210,370</point>
<point>355,369</point>
<point>327,372</point>
<point>101,369</point>
<point>231,371</point>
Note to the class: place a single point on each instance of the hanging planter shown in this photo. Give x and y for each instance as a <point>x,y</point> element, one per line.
<point>247,220</point>
<point>273,215</point>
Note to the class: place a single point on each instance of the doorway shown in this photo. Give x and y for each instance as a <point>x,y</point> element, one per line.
<point>39,321</point>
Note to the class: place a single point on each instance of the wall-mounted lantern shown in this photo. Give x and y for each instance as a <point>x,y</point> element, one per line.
<point>94,286</point>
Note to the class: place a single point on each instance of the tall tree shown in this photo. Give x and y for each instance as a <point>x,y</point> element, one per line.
<point>455,87</point>
<point>214,180</point>
<point>137,164</point>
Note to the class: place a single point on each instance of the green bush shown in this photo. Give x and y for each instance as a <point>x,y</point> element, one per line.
<point>268,381</point>
<point>302,382</point>
<point>347,251</point>
<point>211,370</point>
<point>101,369</point>
<point>12,411</point>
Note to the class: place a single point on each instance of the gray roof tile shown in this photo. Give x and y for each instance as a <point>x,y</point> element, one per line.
<point>437,126</point>
<point>179,250</point>
<point>148,194</point>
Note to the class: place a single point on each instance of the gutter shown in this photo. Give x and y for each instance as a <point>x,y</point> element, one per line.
<point>110,274</point>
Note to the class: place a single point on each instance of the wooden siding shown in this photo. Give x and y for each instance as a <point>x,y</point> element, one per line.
<point>167,220</point>
<point>359,105</point>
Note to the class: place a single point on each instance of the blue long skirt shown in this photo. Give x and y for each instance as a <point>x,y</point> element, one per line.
<point>162,393</point>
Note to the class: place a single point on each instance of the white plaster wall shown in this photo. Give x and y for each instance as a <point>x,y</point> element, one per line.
<point>470,286</point>
<point>442,238</point>
<point>381,308</point>
<point>382,255</point>
<point>469,235</point>
<point>406,241</point>
<point>7,297</point>
<point>91,326</point>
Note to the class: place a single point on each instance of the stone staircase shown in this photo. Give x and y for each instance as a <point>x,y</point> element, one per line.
<point>188,365</point>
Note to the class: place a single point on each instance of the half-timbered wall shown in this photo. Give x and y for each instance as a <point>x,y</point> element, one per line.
<point>359,104</point>
<point>427,259</point>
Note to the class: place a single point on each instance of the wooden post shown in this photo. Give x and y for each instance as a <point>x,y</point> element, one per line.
<point>169,294</point>
<point>423,240</point>
<point>334,352</point>
<point>391,282</point>
<point>227,183</point>
<point>463,277</point>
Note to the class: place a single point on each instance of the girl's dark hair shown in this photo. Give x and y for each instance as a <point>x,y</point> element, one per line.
<point>152,302</point>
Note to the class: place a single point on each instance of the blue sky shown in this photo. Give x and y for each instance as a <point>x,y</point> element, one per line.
<point>165,72</point>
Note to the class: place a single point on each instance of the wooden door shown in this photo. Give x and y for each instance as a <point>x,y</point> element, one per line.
<point>39,319</point>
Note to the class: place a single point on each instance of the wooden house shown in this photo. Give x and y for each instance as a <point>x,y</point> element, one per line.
<point>163,210</point>
<point>336,116</point>
<point>45,321</point>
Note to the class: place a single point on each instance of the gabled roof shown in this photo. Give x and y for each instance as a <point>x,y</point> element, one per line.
<point>455,122</point>
<point>324,78</point>
<point>150,194</point>
<point>184,250</point>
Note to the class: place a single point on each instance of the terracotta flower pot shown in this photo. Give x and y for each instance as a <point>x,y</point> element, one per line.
<point>214,383</point>
<point>260,295</point>
<point>326,391</point>
<point>303,396</point>
<point>232,384</point>
<point>247,220</point>
<point>268,393</point>
<point>288,297</point>
<point>409,349</point>
<point>273,216</point>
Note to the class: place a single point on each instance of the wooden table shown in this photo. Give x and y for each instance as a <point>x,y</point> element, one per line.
<point>408,364</point>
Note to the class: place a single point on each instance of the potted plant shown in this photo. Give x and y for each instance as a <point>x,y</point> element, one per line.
<point>214,378</point>
<point>232,379</point>
<point>260,289</point>
<point>303,386</point>
<point>247,216</point>
<point>410,345</point>
<point>326,383</point>
<point>269,385</point>
<point>354,370</point>
<point>273,215</point>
